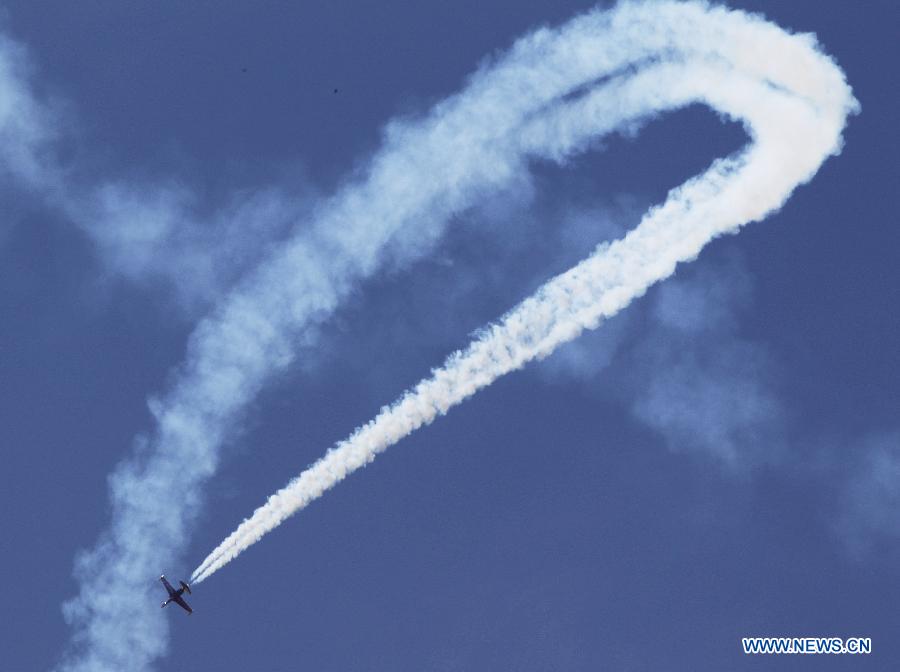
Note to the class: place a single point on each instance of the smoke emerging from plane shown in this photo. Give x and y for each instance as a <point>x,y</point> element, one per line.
<point>551,96</point>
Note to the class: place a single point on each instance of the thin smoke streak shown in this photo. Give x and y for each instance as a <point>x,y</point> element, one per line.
<point>792,99</point>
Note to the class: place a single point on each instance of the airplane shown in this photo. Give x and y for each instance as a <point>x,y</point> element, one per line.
<point>175,595</point>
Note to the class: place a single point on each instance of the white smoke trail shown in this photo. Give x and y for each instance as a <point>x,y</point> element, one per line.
<point>635,61</point>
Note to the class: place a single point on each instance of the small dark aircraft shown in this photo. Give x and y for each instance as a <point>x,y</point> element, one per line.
<point>175,595</point>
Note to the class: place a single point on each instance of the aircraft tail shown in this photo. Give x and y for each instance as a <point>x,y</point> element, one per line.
<point>186,587</point>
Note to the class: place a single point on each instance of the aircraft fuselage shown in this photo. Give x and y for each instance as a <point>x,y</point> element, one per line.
<point>175,595</point>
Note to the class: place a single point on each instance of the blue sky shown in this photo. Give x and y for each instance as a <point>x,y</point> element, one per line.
<point>721,459</point>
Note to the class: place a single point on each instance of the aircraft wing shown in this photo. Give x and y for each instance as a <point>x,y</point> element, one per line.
<point>181,603</point>
<point>167,585</point>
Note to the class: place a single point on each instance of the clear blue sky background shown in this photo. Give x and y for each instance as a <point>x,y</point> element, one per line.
<point>551,522</point>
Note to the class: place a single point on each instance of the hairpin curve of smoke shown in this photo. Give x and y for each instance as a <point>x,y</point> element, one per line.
<point>548,97</point>
<point>648,58</point>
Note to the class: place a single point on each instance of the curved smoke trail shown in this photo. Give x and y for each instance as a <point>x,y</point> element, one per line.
<point>550,96</point>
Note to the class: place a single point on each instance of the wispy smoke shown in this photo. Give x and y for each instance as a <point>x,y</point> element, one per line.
<point>552,94</point>
<point>867,517</point>
<point>160,232</point>
<point>682,369</point>
<point>27,125</point>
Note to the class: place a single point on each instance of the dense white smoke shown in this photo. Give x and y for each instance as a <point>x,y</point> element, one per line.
<point>548,97</point>
<point>554,93</point>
